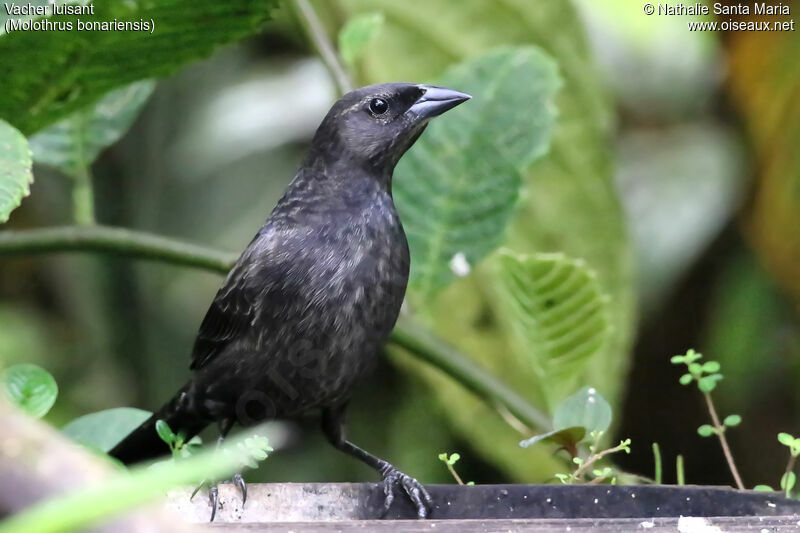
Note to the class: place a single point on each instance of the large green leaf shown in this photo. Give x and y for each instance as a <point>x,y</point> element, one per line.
<point>15,169</point>
<point>457,187</point>
<point>104,429</point>
<point>30,388</point>
<point>49,74</point>
<point>556,314</point>
<point>73,143</point>
<point>568,203</point>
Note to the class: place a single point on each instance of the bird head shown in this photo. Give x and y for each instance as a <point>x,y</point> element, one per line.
<point>374,126</point>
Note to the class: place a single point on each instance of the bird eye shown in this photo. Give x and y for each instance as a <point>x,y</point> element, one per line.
<point>378,106</point>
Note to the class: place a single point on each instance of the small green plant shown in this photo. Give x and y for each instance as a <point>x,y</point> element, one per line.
<point>706,375</point>
<point>585,471</point>
<point>450,461</point>
<point>177,442</point>
<point>789,478</point>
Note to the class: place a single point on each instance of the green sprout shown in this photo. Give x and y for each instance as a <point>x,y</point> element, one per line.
<point>586,472</point>
<point>450,462</point>
<point>706,375</point>
<point>789,478</point>
<point>177,442</point>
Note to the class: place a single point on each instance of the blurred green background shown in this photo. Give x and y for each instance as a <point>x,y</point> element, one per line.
<point>666,165</point>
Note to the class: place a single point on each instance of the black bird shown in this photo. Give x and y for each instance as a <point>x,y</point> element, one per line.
<point>305,311</point>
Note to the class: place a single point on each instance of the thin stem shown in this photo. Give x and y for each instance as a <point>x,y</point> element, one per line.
<point>723,441</point>
<point>83,198</point>
<point>316,31</point>
<point>789,468</point>
<point>657,461</point>
<point>82,192</point>
<point>679,473</point>
<point>447,359</point>
<point>119,241</point>
<point>455,474</point>
<point>584,467</point>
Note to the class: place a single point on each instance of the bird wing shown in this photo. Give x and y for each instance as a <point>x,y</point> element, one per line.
<point>235,306</point>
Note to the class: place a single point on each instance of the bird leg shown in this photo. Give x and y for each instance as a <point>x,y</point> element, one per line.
<point>333,427</point>
<point>213,492</point>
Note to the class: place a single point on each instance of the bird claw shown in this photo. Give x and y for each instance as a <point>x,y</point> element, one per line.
<point>238,480</point>
<point>415,491</point>
<point>213,493</point>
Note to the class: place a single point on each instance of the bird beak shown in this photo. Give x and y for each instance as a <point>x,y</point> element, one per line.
<point>435,101</point>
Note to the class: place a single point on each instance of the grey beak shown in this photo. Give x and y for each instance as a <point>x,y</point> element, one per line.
<point>435,101</point>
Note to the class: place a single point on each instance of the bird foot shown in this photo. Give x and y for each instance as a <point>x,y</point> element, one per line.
<point>413,489</point>
<point>213,493</point>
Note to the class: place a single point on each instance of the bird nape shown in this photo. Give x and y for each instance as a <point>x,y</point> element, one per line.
<point>304,312</point>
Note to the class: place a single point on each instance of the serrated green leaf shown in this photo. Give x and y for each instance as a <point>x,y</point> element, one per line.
<point>566,437</point>
<point>48,75</point>
<point>587,409</point>
<point>31,388</point>
<point>357,34</point>
<point>557,314</point>
<point>73,143</point>
<point>457,187</point>
<point>103,430</point>
<point>15,169</point>
<point>732,420</point>
<point>705,430</point>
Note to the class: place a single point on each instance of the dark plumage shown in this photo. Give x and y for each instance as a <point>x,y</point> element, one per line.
<point>305,310</point>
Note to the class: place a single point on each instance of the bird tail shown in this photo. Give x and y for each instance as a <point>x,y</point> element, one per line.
<point>143,443</point>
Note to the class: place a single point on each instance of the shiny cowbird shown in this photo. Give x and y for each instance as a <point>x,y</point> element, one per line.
<point>305,311</point>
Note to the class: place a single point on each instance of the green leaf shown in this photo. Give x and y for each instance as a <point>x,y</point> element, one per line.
<point>104,429</point>
<point>48,75</point>
<point>692,356</point>
<point>30,388</point>
<point>565,438</point>
<point>785,439</point>
<point>73,143</point>
<point>708,383</point>
<point>165,433</point>
<point>558,315</point>
<point>677,359</point>
<point>732,420</point>
<point>357,34</point>
<point>706,430</point>
<point>456,189</point>
<point>763,488</point>
<point>587,409</point>
<point>695,368</point>
<point>15,169</point>
<point>711,367</point>
<point>685,379</point>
